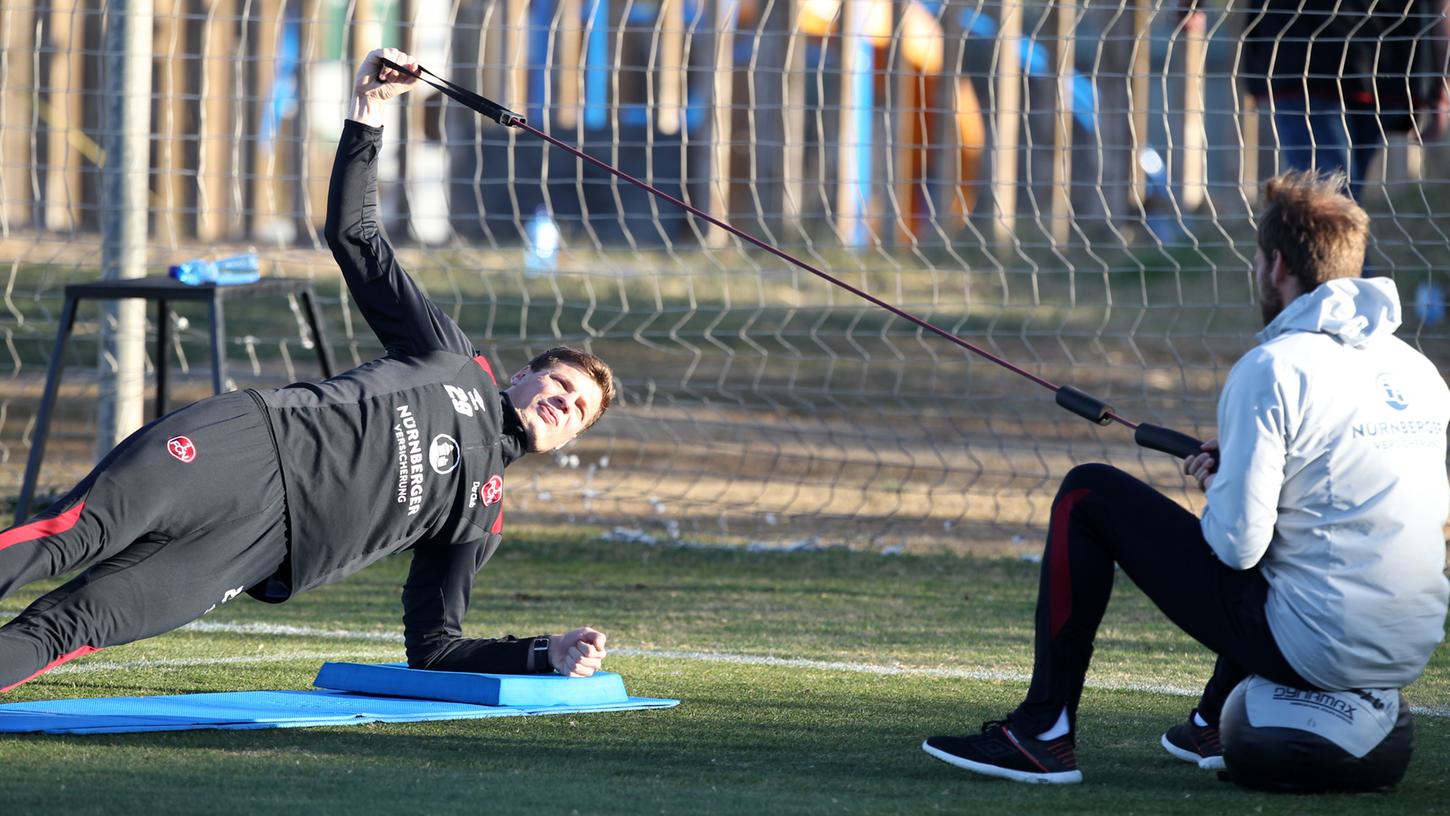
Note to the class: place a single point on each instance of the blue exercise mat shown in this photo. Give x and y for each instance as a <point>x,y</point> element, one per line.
<point>397,680</point>
<point>294,709</point>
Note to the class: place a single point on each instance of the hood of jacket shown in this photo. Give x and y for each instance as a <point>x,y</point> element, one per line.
<point>1351,310</point>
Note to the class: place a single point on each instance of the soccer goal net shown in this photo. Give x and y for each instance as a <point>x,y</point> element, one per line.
<point>1069,185</point>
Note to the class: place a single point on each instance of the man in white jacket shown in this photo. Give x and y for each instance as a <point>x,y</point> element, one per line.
<point>1319,560</point>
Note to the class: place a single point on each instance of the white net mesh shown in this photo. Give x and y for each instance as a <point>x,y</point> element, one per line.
<point>1069,185</point>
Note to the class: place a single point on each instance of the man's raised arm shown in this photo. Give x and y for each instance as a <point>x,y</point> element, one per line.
<point>402,317</point>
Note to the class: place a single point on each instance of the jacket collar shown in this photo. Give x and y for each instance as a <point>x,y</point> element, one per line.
<point>513,439</point>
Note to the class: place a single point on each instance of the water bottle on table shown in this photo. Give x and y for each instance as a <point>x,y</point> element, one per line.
<point>237,269</point>
<point>541,256</point>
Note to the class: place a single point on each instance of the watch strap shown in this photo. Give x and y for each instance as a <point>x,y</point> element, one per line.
<point>539,656</point>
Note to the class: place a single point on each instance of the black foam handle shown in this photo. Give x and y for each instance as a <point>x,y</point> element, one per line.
<point>1083,404</point>
<point>1167,440</point>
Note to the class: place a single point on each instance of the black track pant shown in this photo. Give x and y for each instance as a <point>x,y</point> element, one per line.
<point>162,540</point>
<point>1102,516</point>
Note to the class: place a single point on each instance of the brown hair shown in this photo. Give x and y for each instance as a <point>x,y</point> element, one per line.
<point>597,369</point>
<point>1314,226</point>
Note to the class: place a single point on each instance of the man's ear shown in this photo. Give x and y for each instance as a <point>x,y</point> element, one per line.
<point>1278,270</point>
<point>519,376</point>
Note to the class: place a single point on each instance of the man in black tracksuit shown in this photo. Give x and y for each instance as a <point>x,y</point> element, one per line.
<point>1339,76</point>
<point>272,493</point>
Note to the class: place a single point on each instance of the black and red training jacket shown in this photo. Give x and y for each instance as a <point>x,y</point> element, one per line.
<point>405,451</point>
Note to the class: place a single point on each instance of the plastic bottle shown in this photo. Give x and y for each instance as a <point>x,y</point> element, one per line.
<point>1430,303</point>
<point>542,254</point>
<point>222,271</point>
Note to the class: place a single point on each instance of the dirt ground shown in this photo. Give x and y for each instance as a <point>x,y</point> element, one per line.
<point>918,473</point>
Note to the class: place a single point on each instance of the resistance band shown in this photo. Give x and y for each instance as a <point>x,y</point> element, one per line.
<point>1073,399</point>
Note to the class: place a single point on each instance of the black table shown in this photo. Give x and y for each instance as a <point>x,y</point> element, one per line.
<point>164,291</point>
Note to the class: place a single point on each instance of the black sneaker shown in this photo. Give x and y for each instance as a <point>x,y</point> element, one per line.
<point>998,752</point>
<point>1195,743</point>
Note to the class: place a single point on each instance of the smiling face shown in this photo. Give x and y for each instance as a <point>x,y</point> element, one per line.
<point>555,403</point>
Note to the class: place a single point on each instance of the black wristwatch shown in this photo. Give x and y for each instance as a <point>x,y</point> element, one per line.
<point>539,656</point>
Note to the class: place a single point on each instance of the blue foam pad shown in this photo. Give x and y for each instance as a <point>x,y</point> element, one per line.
<point>269,709</point>
<point>397,680</point>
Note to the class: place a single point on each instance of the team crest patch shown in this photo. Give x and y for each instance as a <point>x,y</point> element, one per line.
<point>443,454</point>
<point>492,491</point>
<point>1393,395</point>
<point>181,448</point>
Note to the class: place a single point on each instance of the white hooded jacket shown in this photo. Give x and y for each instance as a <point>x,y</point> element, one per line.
<point>1331,478</point>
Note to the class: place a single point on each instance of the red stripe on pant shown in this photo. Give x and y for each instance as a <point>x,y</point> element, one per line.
<point>65,658</point>
<point>1059,570</point>
<point>41,528</point>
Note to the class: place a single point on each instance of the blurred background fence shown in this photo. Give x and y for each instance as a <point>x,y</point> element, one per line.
<point>1069,184</point>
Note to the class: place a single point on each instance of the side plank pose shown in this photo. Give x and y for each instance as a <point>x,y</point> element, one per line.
<point>1319,560</point>
<point>271,493</point>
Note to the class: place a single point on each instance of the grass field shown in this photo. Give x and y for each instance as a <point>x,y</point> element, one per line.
<point>808,681</point>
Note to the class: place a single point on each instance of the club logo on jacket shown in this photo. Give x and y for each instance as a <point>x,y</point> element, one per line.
<point>443,454</point>
<point>492,491</point>
<point>181,448</point>
<point>1394,397</point>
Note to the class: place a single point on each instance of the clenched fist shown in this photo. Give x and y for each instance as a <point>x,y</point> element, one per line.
<point>376,84</point>
<point>578,653</point>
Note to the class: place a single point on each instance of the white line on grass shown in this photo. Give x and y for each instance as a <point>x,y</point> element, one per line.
<point>182,662</point>
<point>664,654</point>
<point>283,629</point>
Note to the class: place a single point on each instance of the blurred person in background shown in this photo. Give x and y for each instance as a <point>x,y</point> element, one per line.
<point>1339,76</point>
